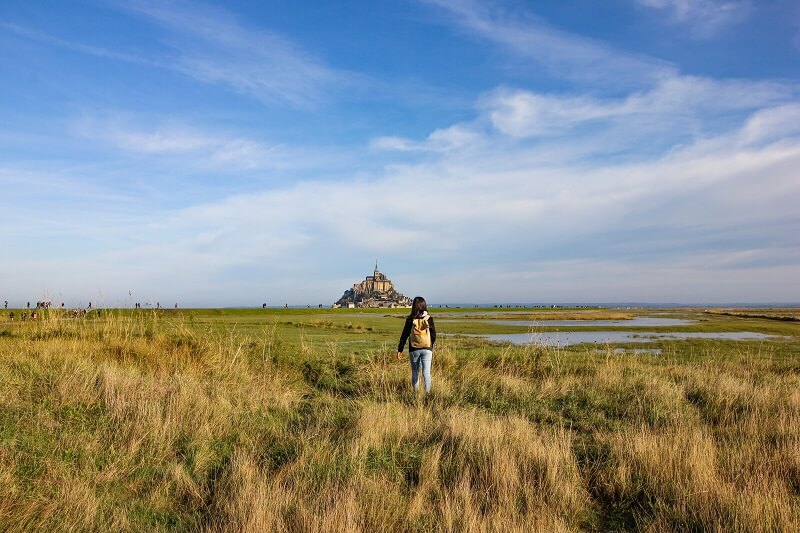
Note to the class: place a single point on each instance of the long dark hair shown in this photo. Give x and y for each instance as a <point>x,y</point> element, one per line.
<point>418,306</point>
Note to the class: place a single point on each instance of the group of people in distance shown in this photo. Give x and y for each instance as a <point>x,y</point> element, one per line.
<point>34,314</point>
<point>138,305</point>
<point>24,316</point>
<point>44,304</point>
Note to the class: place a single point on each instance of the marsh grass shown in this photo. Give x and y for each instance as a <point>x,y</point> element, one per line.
<point>139,422</point>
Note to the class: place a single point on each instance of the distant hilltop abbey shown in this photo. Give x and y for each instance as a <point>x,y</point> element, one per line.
<point>375,291</point>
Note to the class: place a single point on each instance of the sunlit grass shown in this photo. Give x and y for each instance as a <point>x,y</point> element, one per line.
<point>146,421</point>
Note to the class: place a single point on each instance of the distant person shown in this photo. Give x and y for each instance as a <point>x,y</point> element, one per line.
<point>420,332</point>
<point>5,305</point>
<point>264,305</point>
<point>11,316</point>
<point>176,305</point>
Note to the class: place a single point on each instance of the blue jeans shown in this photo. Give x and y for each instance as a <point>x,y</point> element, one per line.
<point>421,359</point>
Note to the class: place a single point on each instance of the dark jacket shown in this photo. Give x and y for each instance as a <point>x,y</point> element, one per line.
<point>407,333</point>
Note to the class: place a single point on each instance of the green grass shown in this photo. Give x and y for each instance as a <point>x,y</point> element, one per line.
<point>231,420</point>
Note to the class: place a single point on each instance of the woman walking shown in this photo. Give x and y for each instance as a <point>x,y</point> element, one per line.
<point>420,332</point>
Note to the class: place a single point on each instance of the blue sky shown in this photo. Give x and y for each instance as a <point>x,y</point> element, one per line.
<point>217,154</point>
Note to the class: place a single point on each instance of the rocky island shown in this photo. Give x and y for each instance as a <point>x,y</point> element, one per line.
<point>375,291</point>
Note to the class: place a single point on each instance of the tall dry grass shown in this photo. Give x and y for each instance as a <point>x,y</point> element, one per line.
<point>133,422</point>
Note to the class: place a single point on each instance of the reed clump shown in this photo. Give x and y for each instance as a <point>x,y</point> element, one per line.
<point>131,422</point>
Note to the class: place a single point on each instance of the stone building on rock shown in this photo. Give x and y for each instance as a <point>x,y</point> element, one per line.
<point>375,291</point>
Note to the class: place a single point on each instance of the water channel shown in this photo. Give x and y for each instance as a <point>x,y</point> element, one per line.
<point>568,338</point>
<point>575,335</point>
<point>641,321</point>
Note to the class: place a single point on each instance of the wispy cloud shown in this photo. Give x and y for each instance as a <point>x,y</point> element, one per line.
<point>772,124</point>
<point>665,186</point>
<point>212,46</point>
<point>521,113</point>
<point>562,53</point>
<point>455,137</point>
<point>518,209</point>
<point>570,227</point>
<point>704,17</point>
<point>97,51</point>
<point>174,139</point>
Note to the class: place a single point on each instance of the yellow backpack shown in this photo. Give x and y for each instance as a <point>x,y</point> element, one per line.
<point>420,332</point>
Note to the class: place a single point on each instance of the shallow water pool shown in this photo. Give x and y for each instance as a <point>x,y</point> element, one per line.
<point>642,321</point>
<point>568,338</point>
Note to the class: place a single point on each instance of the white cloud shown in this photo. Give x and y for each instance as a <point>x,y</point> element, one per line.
<point>525,114</point>
<point>97,51</point>
<point>455,137</point>
<point>705,17</point>
<point>521,113</point>
<point>587,281</point>
<point>772,124</point>
<point>213,46</point>
<point>471,205</point>
<point>161,142</point>
<point>564,54</point>
<point>400,144</point>
<point>176,139</point>
<point>682,188</point>
<point>716,209</point>
<point>460,211</point>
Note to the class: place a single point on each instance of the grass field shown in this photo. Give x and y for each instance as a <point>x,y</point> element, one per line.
<point>302,420</point>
